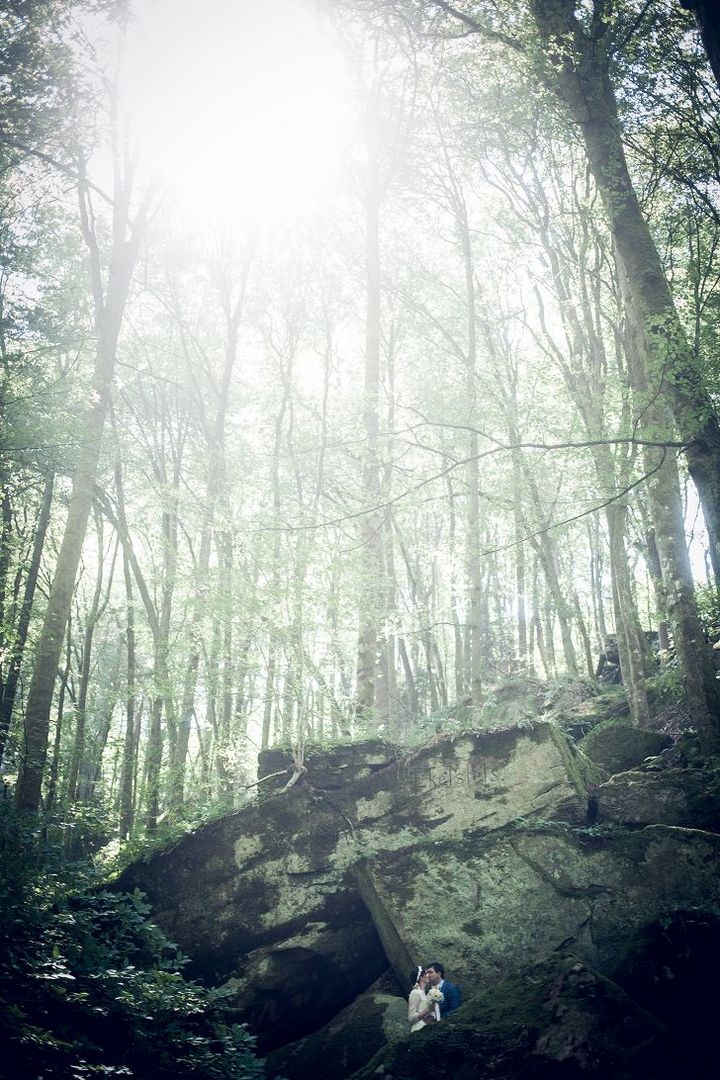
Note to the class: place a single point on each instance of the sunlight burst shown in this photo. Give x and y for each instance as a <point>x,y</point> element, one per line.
<point>239,108</point>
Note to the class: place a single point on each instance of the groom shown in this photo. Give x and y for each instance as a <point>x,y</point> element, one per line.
<point>451,994</point>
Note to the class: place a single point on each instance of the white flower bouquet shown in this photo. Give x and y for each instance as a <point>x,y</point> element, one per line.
<point>435,996</point>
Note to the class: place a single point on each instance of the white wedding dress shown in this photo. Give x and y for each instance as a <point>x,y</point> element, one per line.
<point>417,1003</point>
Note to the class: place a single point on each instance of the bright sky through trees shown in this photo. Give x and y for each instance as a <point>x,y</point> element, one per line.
<point>239,107</point>
<point>380,407</point>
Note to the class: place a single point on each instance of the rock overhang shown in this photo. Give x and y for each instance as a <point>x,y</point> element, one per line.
<point>467,849</point>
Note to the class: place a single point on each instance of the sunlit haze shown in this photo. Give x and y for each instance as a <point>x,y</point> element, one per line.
<point>238,107</point>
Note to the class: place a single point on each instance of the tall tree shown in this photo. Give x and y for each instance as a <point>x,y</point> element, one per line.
<point>110,293</point>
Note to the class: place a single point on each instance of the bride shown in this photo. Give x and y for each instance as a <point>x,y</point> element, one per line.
<point>417,1002</point>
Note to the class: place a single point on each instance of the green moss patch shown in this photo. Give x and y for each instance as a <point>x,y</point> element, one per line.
<point>615,746</point>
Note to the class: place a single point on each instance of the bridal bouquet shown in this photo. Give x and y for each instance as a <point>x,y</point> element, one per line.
<point>435,996</point>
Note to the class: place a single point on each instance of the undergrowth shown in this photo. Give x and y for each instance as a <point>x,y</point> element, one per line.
<point>89,987</point>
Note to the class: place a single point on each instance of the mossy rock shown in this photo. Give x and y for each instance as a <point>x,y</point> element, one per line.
<point>616,747</point>
<point>512,701</point>
<point>689,798</point>
<point>580,705</point>
<point>558,1019</point>
<point>346,1043</point>
<point>509,898</point>
<point>329,767</point>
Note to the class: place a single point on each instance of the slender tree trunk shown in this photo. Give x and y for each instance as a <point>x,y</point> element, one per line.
<point>9,690</point>
<point>413,703</point>
<point>269,694</point>
<point>536,622</point>
<point>93,615</point>
<point>387,685</point>
<point>54,771</point>
<point>109,303</point>
<point>596,577</point>
<point>91,769</point>
<point>474,569</point>
<point>522,644</point>
<point>160,627</point>
<point>371,588</point>
<point>652,561</point>
<point>582,627</point>
<point>663,486</point>
<point>699,682</point>
<point>153,765</point>
<point>546,550</point>
<point>5,553</point>
<point>627,625</point>
<point>223,758</point>
<point>187,705</point>
<point>163,701</point>
<point>127,771</point>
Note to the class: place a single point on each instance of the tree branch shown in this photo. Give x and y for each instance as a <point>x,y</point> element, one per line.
<point>583,513</point>
<point>474,27</point>
<point>49,160</point>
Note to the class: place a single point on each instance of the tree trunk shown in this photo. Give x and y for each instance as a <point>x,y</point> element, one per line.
<point>54,773</point>
<point>9,690</point>
<point>581,77</point>
<point>269,693</point>
<point>127,771</point>
<point>223,759</point>
<point>699,682</point>
<point>663,486</point>
<point>5,553</point>
<point>521,622</point>
<point>627,625</point>
<point>475,613</point>
<point>109,305</point>
<point>596,579</point>
<point>706,17</point>
<point>96,610</point>
<point>654,566</point>
<point>371,588</point>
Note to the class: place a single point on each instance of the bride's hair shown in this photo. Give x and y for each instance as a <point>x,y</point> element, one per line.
<point>415,977</point>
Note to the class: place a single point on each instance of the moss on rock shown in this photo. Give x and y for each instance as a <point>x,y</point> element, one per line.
<point>466,849</point>
<point>684,797</point>
<point>616,746</point>
<point>560,1020</point>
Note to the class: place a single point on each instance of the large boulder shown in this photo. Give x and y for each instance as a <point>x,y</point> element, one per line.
<point>475,851</point>
<point>479,780</point>
<point>616,747</point>
<point>265,901</point>
<point>685,797</point>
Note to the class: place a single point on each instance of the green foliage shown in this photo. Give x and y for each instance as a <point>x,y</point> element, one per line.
<point>708,601</point>
<point>170,831</point>
<point>666,688</point>
<point>88,986</point>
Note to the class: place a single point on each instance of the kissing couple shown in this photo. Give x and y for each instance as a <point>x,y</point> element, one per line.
<point>432,997</point>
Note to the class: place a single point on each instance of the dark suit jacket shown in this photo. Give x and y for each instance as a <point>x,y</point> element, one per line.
<point>453,998</point>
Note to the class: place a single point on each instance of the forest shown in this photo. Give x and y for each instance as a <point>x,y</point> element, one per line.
<point>358,361</point>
